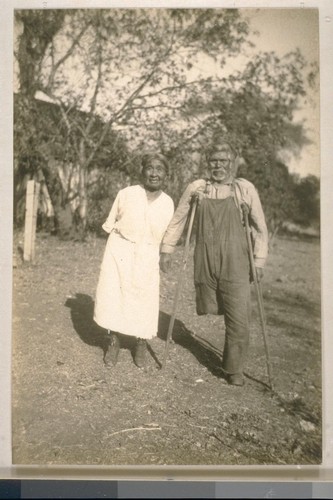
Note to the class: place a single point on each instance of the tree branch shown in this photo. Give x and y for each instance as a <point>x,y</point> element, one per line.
<point>64,116</point>
<point>178,87</point>
<point>70,51</point>
<point>122,109</point>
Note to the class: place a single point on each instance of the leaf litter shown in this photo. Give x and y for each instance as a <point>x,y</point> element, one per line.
<point>68,416</point>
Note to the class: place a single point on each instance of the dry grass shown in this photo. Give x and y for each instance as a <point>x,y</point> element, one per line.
<point>68,408</point>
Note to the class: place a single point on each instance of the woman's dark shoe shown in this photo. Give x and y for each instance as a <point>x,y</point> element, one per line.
<point>111,355</point>
<point>140,353</point>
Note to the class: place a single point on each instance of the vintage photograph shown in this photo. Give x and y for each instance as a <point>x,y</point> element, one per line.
<point>166,237</point>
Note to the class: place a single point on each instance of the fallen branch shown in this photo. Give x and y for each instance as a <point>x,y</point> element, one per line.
<point>225,444</point>
<point>136,429</point>
<point>197,426</point>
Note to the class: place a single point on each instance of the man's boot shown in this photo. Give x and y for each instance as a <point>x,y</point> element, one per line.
<point>140,353</point>
<point>236,379</point>
<point>111,355</point>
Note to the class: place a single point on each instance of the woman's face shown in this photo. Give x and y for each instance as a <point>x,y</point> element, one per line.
<point>153,175</point>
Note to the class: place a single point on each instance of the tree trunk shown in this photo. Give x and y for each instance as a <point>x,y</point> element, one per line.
<point>83,205</point>
<point>59,177</point>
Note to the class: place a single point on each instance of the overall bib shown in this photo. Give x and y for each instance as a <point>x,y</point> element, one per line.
<point>222,275</point>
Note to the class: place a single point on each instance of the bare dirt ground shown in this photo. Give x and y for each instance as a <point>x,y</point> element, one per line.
<point>69,408</point>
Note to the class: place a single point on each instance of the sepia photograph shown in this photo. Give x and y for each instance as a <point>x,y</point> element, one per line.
<point>166,302</point>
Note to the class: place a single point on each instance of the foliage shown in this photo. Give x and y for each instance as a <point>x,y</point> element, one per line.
<point>39,27</point>
<point>44,149</point>
<point>307,192</point>
<point>254,111</point>
<point>139,78</point>
<point>123,76</point>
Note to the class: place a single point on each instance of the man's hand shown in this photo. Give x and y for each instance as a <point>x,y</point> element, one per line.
<point>260,273</point>
<point>165,262</point>
<point>199,195</point>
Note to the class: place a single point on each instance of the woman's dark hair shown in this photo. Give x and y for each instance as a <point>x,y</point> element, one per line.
<point>147,158</point>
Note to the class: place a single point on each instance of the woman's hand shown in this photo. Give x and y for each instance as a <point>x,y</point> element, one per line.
<point>165,262</point>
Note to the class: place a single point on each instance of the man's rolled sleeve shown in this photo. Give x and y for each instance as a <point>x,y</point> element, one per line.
<point>178,221</point>
<point>261,236</point>
<point>167,248</point>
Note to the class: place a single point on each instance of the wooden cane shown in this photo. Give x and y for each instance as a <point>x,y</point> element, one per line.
<point>180,281</point>
<point>258,290</point>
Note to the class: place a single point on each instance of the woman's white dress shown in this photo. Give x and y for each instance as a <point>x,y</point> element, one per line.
<point>127,295</point>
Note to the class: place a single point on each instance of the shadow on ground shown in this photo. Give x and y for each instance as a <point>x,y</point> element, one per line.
<point>82,314</point>
<point>82,311</point>
<point>205,352</point>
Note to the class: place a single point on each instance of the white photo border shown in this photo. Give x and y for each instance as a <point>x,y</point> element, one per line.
<point>323,472</point>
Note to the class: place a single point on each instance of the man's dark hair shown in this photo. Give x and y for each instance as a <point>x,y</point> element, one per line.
<point>221,146</point>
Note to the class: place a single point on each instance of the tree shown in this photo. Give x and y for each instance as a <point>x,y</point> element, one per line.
<point>53,162</point>
<point>127,78</point>
<point>139,72</point>
<point>254,110</point>
<point>307,191</point>
<point>39,28</point>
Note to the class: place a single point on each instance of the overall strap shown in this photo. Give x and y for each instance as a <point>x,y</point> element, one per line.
<point>237,197</point>
<point>208,183</point>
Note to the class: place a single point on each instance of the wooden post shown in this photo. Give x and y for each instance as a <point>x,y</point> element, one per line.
<point>30,220</point>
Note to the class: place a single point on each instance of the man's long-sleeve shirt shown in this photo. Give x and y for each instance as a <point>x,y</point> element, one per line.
<point>244,191</point>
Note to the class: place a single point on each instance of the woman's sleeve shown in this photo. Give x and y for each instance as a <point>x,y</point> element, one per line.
<point>113,215</point>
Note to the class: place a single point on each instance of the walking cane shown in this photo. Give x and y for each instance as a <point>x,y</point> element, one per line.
<point>180,280</point>
<point>257,286</point>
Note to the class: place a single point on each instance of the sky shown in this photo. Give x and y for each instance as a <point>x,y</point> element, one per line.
<point>283,30</point>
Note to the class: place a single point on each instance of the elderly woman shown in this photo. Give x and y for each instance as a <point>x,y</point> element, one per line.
<point>127,296</point>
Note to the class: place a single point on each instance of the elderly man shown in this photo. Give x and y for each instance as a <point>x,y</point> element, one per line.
<point>127,296</point>
<point>221,260</point>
